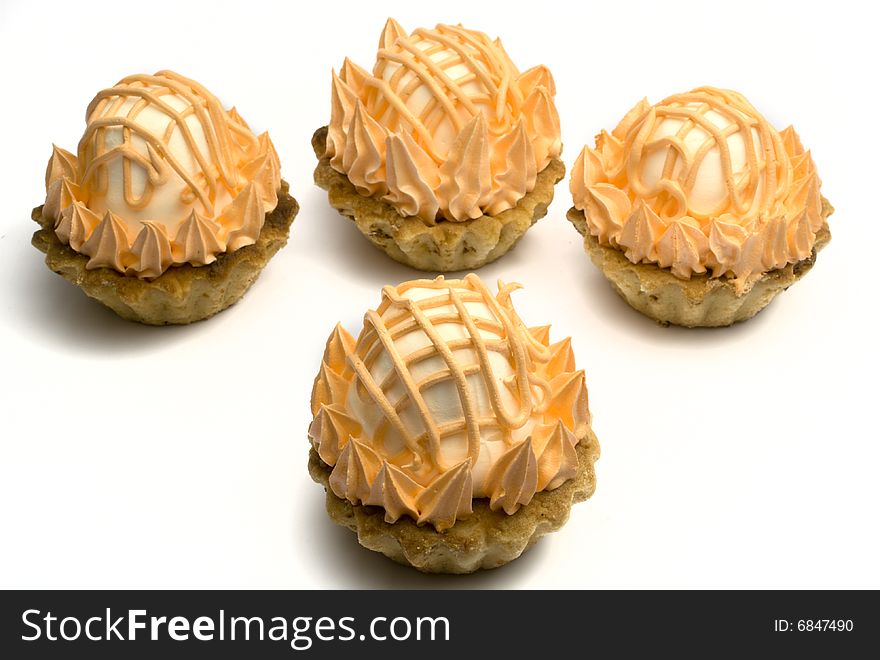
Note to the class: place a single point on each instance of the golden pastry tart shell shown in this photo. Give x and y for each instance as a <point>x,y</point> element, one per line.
<point>700,301</point>
<point>485,539</point>
<point>182,294</point>
<point>445,246</point>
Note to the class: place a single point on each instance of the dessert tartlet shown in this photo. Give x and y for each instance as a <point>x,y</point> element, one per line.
<point>171,206</point>
<point>697,210</point>
<point>446,154</point>
<point>449,436</point>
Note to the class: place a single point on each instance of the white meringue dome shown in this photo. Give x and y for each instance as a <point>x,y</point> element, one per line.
<point>703,147</point>
<point>163,195</point>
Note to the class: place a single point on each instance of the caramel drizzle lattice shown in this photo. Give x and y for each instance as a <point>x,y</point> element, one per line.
<point>513,340</point>
<point>387,98</point>
<point>692,108</point>
<point>216,170</point>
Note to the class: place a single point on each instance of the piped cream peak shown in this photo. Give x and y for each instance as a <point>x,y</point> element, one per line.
<point>445,127</point>
<point>182,179</point>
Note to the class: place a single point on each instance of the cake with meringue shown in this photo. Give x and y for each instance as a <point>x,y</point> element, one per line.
<point>445,154</point>
<point>171,205</point>
<point>697,210</point>
<point>448,435</point>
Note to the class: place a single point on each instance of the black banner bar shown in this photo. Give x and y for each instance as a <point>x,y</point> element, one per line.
<point>318,624</point>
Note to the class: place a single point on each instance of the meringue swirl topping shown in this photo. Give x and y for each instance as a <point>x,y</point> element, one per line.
<point>163,176</point>
<point>446,127</point>
<point>446,396</point>
<point>701,182</point>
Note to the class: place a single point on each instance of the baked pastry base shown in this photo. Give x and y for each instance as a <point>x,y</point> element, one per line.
<point>700,301</point>
<point>486,539</point>
<point>182,294</point>
<point>446,246</point>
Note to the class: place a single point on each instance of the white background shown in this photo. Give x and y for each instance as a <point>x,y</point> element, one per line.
<point>134,456</point>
